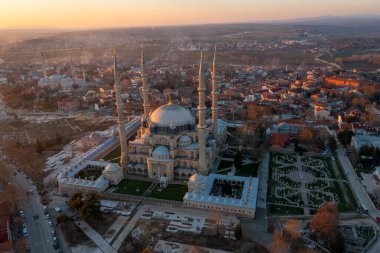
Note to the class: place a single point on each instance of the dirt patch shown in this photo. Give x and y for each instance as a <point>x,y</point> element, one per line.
<point>102,225</point>
<point>74,235</point>
<point>154,230</point>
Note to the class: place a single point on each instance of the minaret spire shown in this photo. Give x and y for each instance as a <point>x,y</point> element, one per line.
<point>121,120</point>
<point>214,95</point>
<point>43,64</point>
<point>145,89</point>
<point>202,167</point>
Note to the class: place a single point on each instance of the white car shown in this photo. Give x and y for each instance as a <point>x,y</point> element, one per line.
<point>22,213</point>
<point>25,232</point>
<point>50,224</point>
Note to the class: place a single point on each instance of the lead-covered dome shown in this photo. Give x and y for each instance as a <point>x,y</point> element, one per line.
<point>161,152</point>
<point>171,115</point>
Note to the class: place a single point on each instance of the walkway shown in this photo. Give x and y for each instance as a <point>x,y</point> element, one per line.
<point>127,229</point>
<point>263,175</point>
<point>95,237</point>
<point>303,190</point>
<point>115,228</point>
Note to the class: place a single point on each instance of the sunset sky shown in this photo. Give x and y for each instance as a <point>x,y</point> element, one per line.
<point>124,13</point>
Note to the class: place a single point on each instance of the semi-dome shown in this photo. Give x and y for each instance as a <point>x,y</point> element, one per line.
<point>170,115</point>
<point>161,152</point>
<point>184,140</point>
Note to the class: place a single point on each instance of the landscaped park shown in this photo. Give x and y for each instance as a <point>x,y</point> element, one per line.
<point>301,184</point>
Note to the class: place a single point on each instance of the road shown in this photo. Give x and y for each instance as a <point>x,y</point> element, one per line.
<point>326,62</point>
<point>360,192</point>
<point>39,232</point>
<point>263,174</point>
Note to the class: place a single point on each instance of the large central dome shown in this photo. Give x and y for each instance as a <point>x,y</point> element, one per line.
<point>171,115</point>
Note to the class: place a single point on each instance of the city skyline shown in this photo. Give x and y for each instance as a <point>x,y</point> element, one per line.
<point>115,13</point>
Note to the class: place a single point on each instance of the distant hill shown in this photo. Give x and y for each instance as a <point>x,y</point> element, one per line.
<point>355,20</point>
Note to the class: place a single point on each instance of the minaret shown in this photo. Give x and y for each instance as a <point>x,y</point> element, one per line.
<point>43,65</point>
<point>72,69</point>
<point>84,75</point>
<point>120,121</point>
<point>145,89</point>
<point>214,95</point>
<point>202,167</point>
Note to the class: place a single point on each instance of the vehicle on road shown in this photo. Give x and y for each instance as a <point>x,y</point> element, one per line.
<point>25,232</point>
<point>364,209</point>
<point>50,224</point>
<point>55,245</point>
<point>22,214</point>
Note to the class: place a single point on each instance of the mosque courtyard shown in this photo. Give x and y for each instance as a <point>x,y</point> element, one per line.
<point>301,184</point>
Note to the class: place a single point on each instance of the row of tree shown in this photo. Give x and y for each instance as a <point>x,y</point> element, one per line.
<point>87,207</point>
<point>324,226</point>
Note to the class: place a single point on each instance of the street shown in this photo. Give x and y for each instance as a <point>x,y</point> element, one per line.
<point>359,191</point>
<point>39,231</point>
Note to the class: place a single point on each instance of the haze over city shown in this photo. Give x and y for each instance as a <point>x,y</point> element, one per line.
<point>119,13</point>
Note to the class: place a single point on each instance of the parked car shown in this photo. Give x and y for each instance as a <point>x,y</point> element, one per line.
<point>378,219</point>
<point>55,245</point>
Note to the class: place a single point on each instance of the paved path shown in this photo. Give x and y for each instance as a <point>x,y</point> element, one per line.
<point>303,190</point>
<point>113,231</point>
<point>263,175</point>
<point>95,237</point>
<point>127,229</point>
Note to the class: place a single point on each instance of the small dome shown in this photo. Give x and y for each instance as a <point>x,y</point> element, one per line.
<point>171,115</point>
<point>184,140</point>
<point>112,167</point>
<point>197,179</point>
<point>161,152</point>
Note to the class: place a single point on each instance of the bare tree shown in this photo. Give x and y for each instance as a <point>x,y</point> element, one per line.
<point>307,135</point>
<point>278,244</point>
<point>293,228</point>
<point>325,222</point>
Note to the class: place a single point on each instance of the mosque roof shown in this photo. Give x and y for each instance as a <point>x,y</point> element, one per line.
<point>171,115</point>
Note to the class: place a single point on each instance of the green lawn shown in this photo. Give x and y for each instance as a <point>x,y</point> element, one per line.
<point>113,154</point>
<point>172,192</point>
<point>132,187</point>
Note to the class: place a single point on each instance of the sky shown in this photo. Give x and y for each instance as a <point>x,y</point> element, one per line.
<point>79,14</point>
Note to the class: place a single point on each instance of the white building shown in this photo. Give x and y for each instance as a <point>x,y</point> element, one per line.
<point>359,141</point>
<point>69,181</point>
<point>230,194</point>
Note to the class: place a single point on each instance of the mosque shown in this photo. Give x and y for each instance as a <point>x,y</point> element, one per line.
<point>170,144</point>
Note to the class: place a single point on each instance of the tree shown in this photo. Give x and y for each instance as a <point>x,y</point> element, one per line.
<point>325,221</point>
<point>278,244</point>
<point>238,232</point>
<point>345,136</point>
<point>293,228</point>
<point>336,243</point>
<point>39,147</point>
<point>91,207</point>
<point>75,202</point>
<point>307,135</point>
<point>332,143</point>
<point>238,162</point>
<point>58,139</point>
